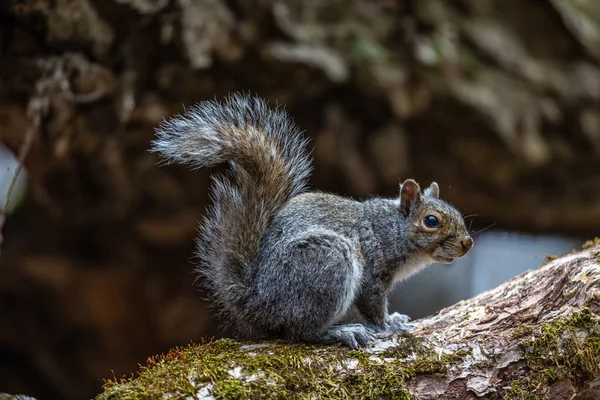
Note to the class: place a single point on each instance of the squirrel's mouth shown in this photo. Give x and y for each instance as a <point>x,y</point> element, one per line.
<point>444,260</point>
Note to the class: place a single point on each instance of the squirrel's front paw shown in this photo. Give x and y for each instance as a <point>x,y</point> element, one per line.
<point>397,322</point>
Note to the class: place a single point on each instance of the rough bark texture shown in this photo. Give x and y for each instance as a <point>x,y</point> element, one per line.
<point>535,337</point>
<point>498,101</point>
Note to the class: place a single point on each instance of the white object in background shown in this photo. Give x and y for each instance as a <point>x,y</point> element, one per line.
<point>503,255</point>
<point>8,166</point>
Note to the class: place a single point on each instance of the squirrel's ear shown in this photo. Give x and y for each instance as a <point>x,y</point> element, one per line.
<point>410,195</point>
<point>433,190</point>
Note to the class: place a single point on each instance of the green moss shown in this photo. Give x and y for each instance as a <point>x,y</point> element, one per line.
<point>230,389</point>
<point>425,360</point>
<point>568,347</point>
<point>282,371</point>
<point>597,255</point>
<point>522,330</point>
<point>591,243</point>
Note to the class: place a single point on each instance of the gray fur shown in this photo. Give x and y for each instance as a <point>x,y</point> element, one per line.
<point>283,262</point>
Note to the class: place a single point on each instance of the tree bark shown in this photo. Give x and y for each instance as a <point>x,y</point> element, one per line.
<point>537,336</point>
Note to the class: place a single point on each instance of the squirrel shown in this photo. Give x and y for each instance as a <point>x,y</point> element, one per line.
<point>280,261</point>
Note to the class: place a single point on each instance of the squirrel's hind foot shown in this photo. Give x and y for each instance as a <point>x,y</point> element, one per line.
<point>354,336</point>
<point>397,323</point>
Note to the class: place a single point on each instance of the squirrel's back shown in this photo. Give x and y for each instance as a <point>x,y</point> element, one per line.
<point>269,166</point>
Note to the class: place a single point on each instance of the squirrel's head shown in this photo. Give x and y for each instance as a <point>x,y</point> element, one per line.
<point>437,228</point>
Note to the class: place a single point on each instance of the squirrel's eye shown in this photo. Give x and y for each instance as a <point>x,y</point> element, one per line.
<point>431,221</point>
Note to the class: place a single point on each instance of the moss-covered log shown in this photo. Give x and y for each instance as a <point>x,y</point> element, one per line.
<point>535,337</point>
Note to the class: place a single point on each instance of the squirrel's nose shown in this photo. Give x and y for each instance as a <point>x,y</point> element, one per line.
<point>466,242</point>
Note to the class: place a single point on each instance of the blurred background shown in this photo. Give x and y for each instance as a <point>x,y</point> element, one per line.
<point>497,101</point>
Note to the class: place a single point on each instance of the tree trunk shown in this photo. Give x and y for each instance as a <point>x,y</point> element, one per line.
<point>536,336</point>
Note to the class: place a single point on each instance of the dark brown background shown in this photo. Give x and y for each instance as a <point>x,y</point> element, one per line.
<point>498,101</point>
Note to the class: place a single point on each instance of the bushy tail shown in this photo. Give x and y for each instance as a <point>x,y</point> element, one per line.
<point>269,166</point>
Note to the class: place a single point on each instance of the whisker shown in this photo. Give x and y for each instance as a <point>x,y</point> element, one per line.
<point>484,229</point>
<point>474,215</point>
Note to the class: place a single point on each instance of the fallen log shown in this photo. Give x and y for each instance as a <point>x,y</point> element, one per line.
<point>537,336</point>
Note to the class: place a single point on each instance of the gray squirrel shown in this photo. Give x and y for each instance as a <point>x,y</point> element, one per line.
<point>280,261</point>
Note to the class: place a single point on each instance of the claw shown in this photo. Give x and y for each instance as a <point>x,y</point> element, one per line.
<point>354,336</point>
<point>352,343</point>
